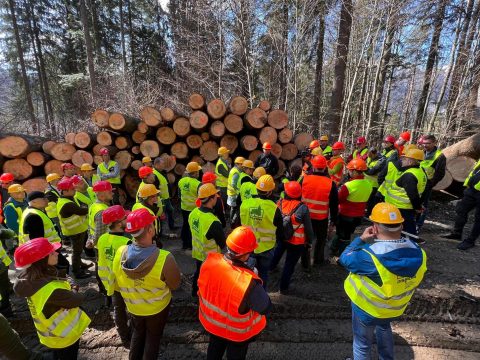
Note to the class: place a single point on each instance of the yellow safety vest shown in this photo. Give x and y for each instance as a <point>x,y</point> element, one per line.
<point>388,300</point>
<point>73,225</point>
<point>221,181</point>
<point>258,214</point>
<point>232,189</point>
<point>49,230</point>
<point>427,164</point>
<point>247,190</point>
<point>473,173</point>
<point>92,211</point>
<point>200,222</point>
<point>362,152</point>
<point>51,208</point>
<point>148,295</point>
<point>188,187</point>
<point>392,173</point>
<point>81,198</point>
<point>4,258</point>
<point>359,190</point>
<point>107,246</point>
<point>157,223</point>
<point>388,154</point>
<point>63,328</point>
<point>397,195</point>
<point>104,170</point>
<point>164,194</point>
<point>373,179</point>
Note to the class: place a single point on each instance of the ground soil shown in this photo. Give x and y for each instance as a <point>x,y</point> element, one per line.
<point>442,322</point>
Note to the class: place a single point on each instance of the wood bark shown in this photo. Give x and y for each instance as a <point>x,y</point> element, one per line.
<point>88,46</point>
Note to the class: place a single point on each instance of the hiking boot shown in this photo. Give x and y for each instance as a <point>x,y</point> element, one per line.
<point>81,275</point>
<point>465,245</point>
<point>453,235</point>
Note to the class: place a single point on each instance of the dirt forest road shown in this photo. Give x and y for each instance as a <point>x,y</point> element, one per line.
<point>442,322</point>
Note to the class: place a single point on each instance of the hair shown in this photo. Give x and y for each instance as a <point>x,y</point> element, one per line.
<point>295,171</point>
<point>207,199</point>
<point>430,137</point>
<point>391,227</point>
<point>38,270</point>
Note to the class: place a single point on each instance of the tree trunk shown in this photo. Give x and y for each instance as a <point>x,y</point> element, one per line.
<point>20,168</point>
<point>317,92</point>
<point>88,46</point>
<point>17,146</point>
<point>151,116</point>
<point>166,135</point>
<point>278,119</point>
<point>181,127</point>
<point>122,36</point>
<point>130,34</point>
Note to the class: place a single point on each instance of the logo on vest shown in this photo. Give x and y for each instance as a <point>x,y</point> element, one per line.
<point>256,213</point>
<point>248,193</point>
<point>406,281</point>
<point>109,253</point>
<point>186,186</point>
<point>196,225</point>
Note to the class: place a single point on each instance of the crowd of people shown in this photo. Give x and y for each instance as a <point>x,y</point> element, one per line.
<point>238,222</point>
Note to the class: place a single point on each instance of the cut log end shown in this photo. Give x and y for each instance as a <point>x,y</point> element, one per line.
<point>166,135</point>
<point>179,150</point>
<point>289,152</point>
<point>80,157</point>
<point>209,151</point>
<point>216,109</point>
<point>233,123</point>
<point>20,168</point>
<point>230,142</point>
<point>238,105</point>
<point>167,114</point>
<point>83,140</point>
<point>37,158</point>
<point>196,101</point>
<point>63,151</point>
<point>100,118</point>
<point>285,136</point>
<point>16,146</point>
<point>35,184</point>
<point>302,140</point>
<point>256,118</point>
<point>104,138</point>
<point>198,120</point>
<point>248,142</point>
<point>181,127</point>
<point>265,105</point>
<point>194,141</point>
<point>151,116</point>
<point>150,148</point>
<point>459,167</point>
<point>278,119</point>
<point>268,134</point>
<point>217,129</point>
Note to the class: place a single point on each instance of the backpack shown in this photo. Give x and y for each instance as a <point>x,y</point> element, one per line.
<point>288,229</point>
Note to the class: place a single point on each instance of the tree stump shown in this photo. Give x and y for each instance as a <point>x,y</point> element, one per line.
<point>289,152</point>
<point>209,151</point>
<point>35,184</point>
<point>123,158</point>
<point>233,123</point>
<point>122,123</point>
<point>37,158</point>
<point>16,146</point>
<point>63,151</point>
<point>138,137</point>
<point>167,114</point>
<point>123,142</point>
<point>216,109</point>
<point>268,134</point>
<point>80,157</point>
<point>70,138</point>
<point>150,148</point>
<point>83,140</point>
<point>265,105</point>
<point>302,140</point>
<point>278,119</point>
<point>53,166</point>
<point>143,127</point>
<point>104,138</point>
<point>277,150</point>
<point>196,101</point>
<point>194,141</point>
<point>47,147</point>
<point>20,168</point>
<point>179,150</point>
<point>198,120</point>
<point>151,116</point>
<point>181,127</point>
<point>179,169</point>
<point>217,129</point>
<point>248,142</point>
<point>255,118</point>
<point>100,118</point>
<point>285,136</point>
<point>230,142</point>
<point>166,135</point>
<point>238,105</point>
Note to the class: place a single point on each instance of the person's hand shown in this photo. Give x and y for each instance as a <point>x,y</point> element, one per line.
<point>368,233</point>
<point>89,244</point>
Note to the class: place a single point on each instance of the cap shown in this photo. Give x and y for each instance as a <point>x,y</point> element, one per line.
<point>104,151</point>
<point>76,179</point>
<point>35,195</point>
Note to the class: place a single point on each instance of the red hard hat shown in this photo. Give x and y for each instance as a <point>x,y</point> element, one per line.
<point>267,146</point>
<point>144,171</point>
<point>102,186</point>
<point>139,219</point>
<point>405,136</point>
<point>361,140</point>
<point>357,164</point>
<point>389,138</point>
<point>338,146</point>
<point>293,189</point>
<point>7,177</point>
<point>242,240</point>
<point>65,166</point>
<point>319,162</point>
<point>314,144</point>
<point>34,250</point>
<point>104,151</point>
<point>113,213</point>
<point>76,179</point>
<point>65,184</point>
<point>209,177</point>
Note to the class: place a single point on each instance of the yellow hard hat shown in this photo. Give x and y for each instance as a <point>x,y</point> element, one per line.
<point>223,150</point>
<point>207,190</point>
<point>193,166</point>
<point>239,160</point>
<point>53,176</point>
<point>15,188</point>
<point>248,164</point>
<point>324,138</point>
<point>416,154</point>
<point>146,159</point>
<point>147,191</point>
<point>84,167</point>
<point>317,151</point>
<point>258,172</point>
<point>409,147</point>
<point>265,183</point>
<point>385,213</point>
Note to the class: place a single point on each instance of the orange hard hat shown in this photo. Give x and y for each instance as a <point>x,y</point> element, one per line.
<point>293,189</point>
<point>267,146</point>
<point>209,177</point>
<point>314,144</point>
<point>242,240</point>
<point>319,162</point>
<point>139,219</point>
<point>34,250</point>
<point>144,171</point>
<point>405,136</point>
<point>338,146</point>
<point>357,164</point>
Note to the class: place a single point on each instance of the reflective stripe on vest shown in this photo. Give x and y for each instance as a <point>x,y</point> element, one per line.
<point>92,211</point>
<point>397,195</point>
<point>232,189</point>
<point>392,172</point>
<point>258,214</point>
<point>388,300</point>
<point>427,164</point>
<point>337,177</point>
<point>388,154</point>
<point>148,295</point>
<point>316,194</point>
<point>107,246</point>
<point>74,224</point>
<point>157,224</point>
<point>222,181</point>
<point>247,190</point>
<point>4,258</point>
<point>359,190</point>
<point>163,187</point>
<point>363,152</point>
<point>474,171</point>
<point>286,207</point>
<point>188,187</point>
<point>105,170</point>
<point>221,289</point>
<point>65,326</point>
<point>200,223</point>
<point>373,179</point>
<point>49,230</point>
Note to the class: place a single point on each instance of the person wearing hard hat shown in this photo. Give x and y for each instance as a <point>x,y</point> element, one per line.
<point>262,215</point>
<point>232,301</point>
<point>164,187</point>
<point>222,169</point>
<point>295,173</point>
<point>145,276</point>
<point>352,201</point>
<point>233,186</point>
<point>68,169</point>
<point>248,188</point>
<point>244,176</point>
<point>14,206</point>
<point>319,193</point>
<point>145,173</point>
<point>267,160</point>
<point>115,217</point>
<point>108,170</point>
<point>104,192</point>
<point>84,195</point>
<point>336,164</point>
<point>147,161</point>
<point>375,163</point>
<point>88,173</point>
<point>54,306</point>
<point>401,141</point>
<point>302,238</point>
<point>207,231</point>
<point>52,195</point>
<point>6,179</point>
<point>148,199</point>
<point>5,261</point>
<point>326,149</point>
<point>390,169</point>
<point>188,187</point>
<point>389,150</point>
<point>219,209</point>
<point>74,224</point>
<point>385,269</point>
<point>361,150</point>
<point>407,188</point>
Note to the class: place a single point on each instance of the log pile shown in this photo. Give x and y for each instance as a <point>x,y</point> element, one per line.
<point>178,138</point>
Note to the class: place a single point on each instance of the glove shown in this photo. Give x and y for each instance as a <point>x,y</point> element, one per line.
<point>6,234</point>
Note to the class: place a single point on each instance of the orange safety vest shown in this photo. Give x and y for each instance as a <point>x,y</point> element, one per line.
<point>286,207</point>
<point>221,289</point>
<point>331,164</point>
<point>316,194</point>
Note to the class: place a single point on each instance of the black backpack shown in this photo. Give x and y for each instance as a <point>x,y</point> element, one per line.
<point>288,229</point>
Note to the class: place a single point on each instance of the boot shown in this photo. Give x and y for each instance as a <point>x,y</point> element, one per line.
<point>81,275</point>
<point>85,265</point>
<point>465,245</point>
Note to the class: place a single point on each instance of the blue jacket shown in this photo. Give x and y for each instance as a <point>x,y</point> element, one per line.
<point>401,257</point>
<point>11,216</point>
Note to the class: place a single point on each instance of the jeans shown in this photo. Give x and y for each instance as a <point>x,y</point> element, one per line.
<point>320,228</point>
<point>470,201</point>
<point>147,333</point>
<point>409,225</point>
<point>169,212</point>
<point>120,316</point>
<point>294,252</point>
<point>263,261</point>
<point>68,353</point>
<point>363,338</point>
<point>186,233</point>
<point>235,350</point>
<point>345,228</point>
<point>198,263</point>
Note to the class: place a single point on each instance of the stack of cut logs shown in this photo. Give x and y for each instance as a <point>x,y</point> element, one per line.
<point>159,132</point>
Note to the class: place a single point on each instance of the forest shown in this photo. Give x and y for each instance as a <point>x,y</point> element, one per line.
<point>345,68</point>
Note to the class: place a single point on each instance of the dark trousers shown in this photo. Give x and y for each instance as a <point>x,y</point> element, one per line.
<point>186,232</point>
<point>147,333</point>
<point>235,350</point>
<point>198,263</point>
<point>68,353</point>
<point>470,201</point>
<point>10,344</point>
<point>425,199</point>
<point>63,265</point>
<point>78,242</point>
<point>223,195</point>
<point>372,201</point>
<point>169,211</point>
<point>294,252</point>
<point>262,263</point>
<point>409,224</point>
<point>5,286</point>
<point>320,228</point>
<point>234,217</point>
<point>345,228</point>
<point>120,316</point>
<point>116,194</point>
